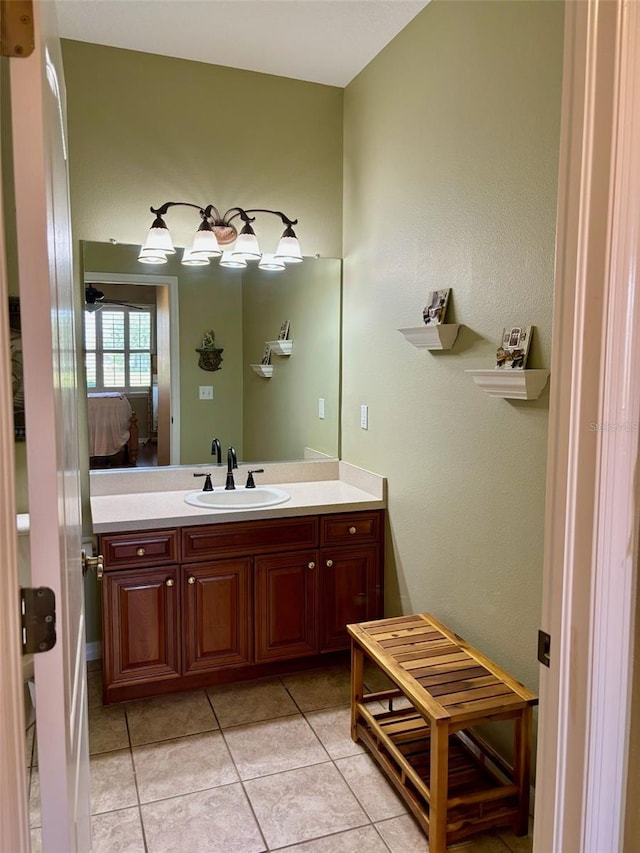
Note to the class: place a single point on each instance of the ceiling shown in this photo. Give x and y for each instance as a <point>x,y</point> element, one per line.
<point>322,41</point>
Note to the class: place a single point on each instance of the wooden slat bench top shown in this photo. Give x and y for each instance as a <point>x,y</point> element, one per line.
<point>439,672</point>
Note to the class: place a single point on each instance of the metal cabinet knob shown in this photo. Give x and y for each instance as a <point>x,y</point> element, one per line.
<point>191,579</point>
<point>170,582</point>
<point>329,563</point>
<point>311,565</point>
<point>352,530</point>
<point>141,552</point>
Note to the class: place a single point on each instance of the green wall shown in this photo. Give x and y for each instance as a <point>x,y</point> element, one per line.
<point>451,157</point>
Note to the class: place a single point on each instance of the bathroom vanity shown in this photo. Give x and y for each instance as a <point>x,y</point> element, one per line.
<point>220,596</point>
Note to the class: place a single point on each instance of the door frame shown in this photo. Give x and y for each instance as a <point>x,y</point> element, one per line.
<point>591,523</point>
<point>171,282</point>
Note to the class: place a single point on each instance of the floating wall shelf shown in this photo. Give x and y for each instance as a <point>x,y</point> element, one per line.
<point>511,384</point>
<point>280,347</point>
<point>442,336</point>
<point>265,370</point>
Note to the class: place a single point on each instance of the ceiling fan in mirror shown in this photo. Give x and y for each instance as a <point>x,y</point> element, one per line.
<point>94,300</point>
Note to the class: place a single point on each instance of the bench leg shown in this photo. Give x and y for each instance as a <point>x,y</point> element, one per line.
<point>438,788</point>
<point>357,684</point>
<point>522,769</point>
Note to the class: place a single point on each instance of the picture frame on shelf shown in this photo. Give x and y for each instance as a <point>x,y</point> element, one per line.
<point>266,356</point>
<point>283,334</point>
<point>434,312</point>
<point>513,350</point>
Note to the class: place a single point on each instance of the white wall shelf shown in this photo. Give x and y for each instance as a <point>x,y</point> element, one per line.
<point>265,370</point>
<point>280,347</point>
<point>511,384</point>
<point>442,336</point>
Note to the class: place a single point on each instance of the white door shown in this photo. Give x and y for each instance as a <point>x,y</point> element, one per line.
<point>44,252</point>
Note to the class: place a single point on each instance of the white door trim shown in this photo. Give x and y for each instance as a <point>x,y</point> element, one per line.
<point>174,340</point>
<point>592,507</point>
<point>14,813</point>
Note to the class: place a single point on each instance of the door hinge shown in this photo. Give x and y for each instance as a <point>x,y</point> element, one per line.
<point>38,610</point>
<point>16,28</point>
<point>544,648</point>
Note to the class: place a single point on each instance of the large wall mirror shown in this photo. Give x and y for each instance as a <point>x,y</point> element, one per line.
<point>142,339</point>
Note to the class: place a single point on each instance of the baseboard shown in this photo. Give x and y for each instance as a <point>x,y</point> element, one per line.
<point>94,650</point>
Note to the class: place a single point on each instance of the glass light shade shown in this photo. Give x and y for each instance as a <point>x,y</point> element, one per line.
<point>289,250</point>
<point>247,247</point>
<point>194,259</point>
<point>270,262</point>
<point>205,243</point>
<point>152,256</point>
<point>159,240</point>
<point>229,259</point>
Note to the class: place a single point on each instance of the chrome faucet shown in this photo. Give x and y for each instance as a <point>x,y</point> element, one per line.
<point>232,462</point>
<point>216,450</point>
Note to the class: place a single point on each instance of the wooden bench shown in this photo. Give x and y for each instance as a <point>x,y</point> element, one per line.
<point>453,781</point>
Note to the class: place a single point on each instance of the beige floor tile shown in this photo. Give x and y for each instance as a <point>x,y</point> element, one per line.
<point>29,740</point>
<point>216,821</point>
<point>107,729</point>
<point>375,679</point>
<point>354,841</point>
<point>94,689</point>
<point>35,818</point>
<point>403,835</point>
<point>517,844</point>
<point>174,767</point>
<point>273,746</point>
<point>251,702</point>
<point>112,781</point>
<point>333,727</point>
<point>487,842</point>
<point>168,717</point>
<point>94,665</point>
<point>373,791</point>
<point>117,832</point>
<point>321,688</point>
<point>302,804</point>
<point>36,841</point>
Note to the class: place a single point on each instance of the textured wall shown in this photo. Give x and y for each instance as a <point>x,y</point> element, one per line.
<point>451,151</point>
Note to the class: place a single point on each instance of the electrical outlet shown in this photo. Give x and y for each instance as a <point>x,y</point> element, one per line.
<point>364,416</point>
<point>206,392</point>
<point>321,407</point>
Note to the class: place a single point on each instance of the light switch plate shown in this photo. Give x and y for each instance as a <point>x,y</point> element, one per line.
<point>206,392</point>
<point>364,416</point>
<point>321,407</point>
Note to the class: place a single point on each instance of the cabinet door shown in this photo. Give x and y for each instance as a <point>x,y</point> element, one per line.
<point>350,591</point>
<point>285,605</point>
<point>140,625</point>
<point>216,614</point>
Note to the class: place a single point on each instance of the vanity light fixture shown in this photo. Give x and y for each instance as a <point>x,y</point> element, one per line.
<point>217,230</point>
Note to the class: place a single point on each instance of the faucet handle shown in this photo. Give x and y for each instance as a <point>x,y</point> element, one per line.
<point>250,481</point>
<point>208,485</point>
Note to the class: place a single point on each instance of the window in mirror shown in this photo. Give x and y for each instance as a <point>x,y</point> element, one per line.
<point>118,348</point>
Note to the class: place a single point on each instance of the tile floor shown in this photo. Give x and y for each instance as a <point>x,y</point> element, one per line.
<point>256,766</point>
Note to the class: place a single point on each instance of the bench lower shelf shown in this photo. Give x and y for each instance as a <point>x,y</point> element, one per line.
<point>480,795</point>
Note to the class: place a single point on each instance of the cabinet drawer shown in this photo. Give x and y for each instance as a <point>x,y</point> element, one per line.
<point>350,528</point>
<point>155,548</point>
<point>245,538</point>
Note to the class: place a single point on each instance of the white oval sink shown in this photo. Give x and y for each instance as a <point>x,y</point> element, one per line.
<point>238,498</point>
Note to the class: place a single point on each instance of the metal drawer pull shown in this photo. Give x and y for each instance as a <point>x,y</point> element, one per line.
<point>352,530</point>
<point>311,565</point>
<point>170,582</point>
<point>141,552</point>
<point>329,563</point>
<point>191,579</point>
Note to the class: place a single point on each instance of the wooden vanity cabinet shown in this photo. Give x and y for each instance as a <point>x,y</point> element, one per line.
<point>209,603</point>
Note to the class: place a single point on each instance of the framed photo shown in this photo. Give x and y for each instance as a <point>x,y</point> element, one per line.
<point>17,379</point>
<point>284,331</point>
<point>266,357</point>
<point>434,312</point>
<point>513,350</point>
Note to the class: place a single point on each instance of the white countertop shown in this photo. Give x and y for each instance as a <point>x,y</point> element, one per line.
<point>149,510</point>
